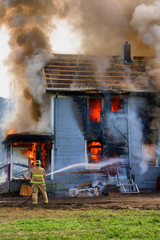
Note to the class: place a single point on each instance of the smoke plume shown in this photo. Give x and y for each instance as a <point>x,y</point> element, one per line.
<point>29,23</point>
<point>103,26</point>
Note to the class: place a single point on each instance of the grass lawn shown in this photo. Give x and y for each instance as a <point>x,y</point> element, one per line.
<point>23,223</point>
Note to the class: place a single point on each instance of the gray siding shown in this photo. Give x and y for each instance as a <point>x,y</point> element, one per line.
<point>70,146</point>
<point>148,178</point>
<point>70,141</point>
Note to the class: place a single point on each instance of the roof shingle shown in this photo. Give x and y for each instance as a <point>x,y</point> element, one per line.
<point>67,72</point>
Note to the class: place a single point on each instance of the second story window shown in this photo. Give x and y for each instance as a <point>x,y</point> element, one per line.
<point>95,110</point>
<point>116,104</point>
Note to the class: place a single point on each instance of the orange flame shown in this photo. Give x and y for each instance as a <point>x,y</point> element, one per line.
<point>34,150</point>
<point>116,104</point>
<point>95,151</point>
<point>32,154</point>
<point>95,110</point>
<point>10,131</point>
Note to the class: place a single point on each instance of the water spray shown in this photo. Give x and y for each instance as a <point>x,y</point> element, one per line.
<point>110,161</point>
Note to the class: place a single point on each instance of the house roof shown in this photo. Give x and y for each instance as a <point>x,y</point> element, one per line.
<point>24,137</point>
<point>67,72</point>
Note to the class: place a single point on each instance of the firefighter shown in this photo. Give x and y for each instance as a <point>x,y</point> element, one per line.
<point>37,176</point>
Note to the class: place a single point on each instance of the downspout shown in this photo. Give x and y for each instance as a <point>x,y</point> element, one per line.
<point>55,129</point>
<point>11,163</point>
<point>129,139</point>
<point>10,166</point>
<point>56,119</point>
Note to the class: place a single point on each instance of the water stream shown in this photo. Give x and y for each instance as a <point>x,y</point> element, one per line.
<point>100,165</point>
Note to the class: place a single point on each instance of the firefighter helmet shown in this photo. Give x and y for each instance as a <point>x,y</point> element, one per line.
<point>38,162</point>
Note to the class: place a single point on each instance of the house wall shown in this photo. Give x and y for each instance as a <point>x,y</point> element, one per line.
<point>130,124</point>
<point>116,129</point>
<point>145,176</point>
<point>4,167</point>
<point>69,148</point>
<point>69,145</point>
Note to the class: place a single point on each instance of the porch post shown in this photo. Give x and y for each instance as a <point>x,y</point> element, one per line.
<point>11,162</point>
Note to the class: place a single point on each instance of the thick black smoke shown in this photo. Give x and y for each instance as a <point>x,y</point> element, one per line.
<point>103,27</point>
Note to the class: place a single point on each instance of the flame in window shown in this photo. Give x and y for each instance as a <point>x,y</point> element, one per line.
<point>35,151</point>
<point>94,151</point>
<point>116,104</point>
<point>94,110</point>
<point>149,154</point>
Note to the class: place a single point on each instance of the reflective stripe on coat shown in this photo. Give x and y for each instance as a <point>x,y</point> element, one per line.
<point>37,175</point>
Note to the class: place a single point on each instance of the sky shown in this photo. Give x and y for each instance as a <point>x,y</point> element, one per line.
<point>4,51</point>
<point>63,40</point>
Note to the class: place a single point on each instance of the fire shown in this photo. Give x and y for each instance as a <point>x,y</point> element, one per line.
<point>95,110</point>
<point>116,104</point>
<point>38,151</point>
<point>31,153</point>
<point>35,151</point>
<point>95,151</point>
<point>10,131</point>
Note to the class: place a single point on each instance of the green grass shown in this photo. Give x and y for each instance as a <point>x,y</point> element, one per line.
<point>89,224</point>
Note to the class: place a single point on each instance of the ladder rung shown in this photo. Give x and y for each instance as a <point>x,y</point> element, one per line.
<point>128,185</point>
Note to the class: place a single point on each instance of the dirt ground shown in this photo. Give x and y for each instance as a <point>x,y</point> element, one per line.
<point>146,201</point>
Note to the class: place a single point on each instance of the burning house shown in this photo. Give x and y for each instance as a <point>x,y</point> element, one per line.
<point>84,115</point>
<point>104,115</point>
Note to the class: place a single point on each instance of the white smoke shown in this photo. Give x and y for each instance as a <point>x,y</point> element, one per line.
<point>101,184</point>
<point>141,156</point>
<point>100,27</point>
<point>29,24</point>
<point>140,153</point>
<point>146,21</point>
<point>146,158</point>
<point>33,65</point>
<point>116,126</point>
<point>103,30</point>
<point>3,177</point>
<point>37,88</point>
<point>137,134</point>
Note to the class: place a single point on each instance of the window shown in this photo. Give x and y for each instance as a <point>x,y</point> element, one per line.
<point>24,156</point>
<point>116,104</point>
<point>94,151</point>
<point>95,110</point>
<point>148,155</point>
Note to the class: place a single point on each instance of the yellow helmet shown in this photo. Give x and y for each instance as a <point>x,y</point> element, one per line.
<point>38,162</point>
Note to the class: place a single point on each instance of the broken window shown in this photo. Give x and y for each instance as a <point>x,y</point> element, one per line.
<point>149,155</point>
<point>94,151</point>
<point>116,104</point>
<point>95,110</point>
<point>20,163</point>
<point>24,156</point>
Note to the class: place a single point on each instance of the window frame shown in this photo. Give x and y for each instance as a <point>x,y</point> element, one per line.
<point>144,145</point>
<point>122,104</point>
<point>101,105</point>
<point>87,156</point>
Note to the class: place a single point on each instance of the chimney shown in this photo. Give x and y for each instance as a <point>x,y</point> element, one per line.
<point>127,53</point>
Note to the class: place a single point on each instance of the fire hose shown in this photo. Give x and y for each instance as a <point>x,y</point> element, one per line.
<point>28,181</point>
<point>52,185</point>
